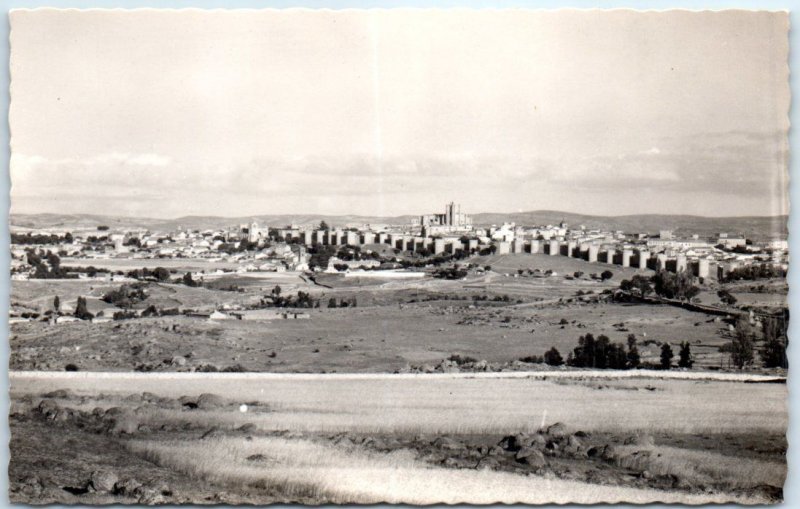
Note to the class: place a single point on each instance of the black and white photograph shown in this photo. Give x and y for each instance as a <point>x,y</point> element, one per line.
<point>405,256</point>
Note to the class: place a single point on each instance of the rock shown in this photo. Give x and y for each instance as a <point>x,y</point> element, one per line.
<point>125,422</point>
<point>609,453</point>
<point>59,394</point>
<point>212,433</point>
<point>509,443</point>
<point>126,487</point>
<point>210,402</point>
<point>178,361</point>
<point>448,443</point>
<point>496,451</point>
<point>49,409</point>
<point>532,458</point>
<point>149,496</point>
<point>488,462</point>
<point>102,481</point>
<point>557,430</point>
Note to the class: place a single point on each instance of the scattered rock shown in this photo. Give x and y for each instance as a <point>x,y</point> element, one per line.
<point>448,443</point>
<point>103,481</point>
<point>557,430</point>
<point>126,487</point>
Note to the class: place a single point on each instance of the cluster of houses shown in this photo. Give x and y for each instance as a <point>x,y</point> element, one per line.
<point>286,248</point>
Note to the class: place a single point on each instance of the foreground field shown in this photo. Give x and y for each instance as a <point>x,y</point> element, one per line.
<point>413,439</point>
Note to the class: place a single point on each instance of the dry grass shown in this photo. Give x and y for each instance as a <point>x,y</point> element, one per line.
<point>337,475</point>
<point>456,405</point>
<point>705,467</point>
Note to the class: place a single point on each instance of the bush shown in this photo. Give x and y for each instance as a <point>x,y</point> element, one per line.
<point>458,359</point>
<point>552,357</point>
<point>70,367</point>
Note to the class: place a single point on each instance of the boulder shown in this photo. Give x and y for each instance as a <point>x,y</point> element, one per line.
<point>125,422</point>
<point>126,487</point>
<point>149,496</point>
<point>59,394</point>
<point>49,409</point>
<point>247,428</point>
<point>212,433</point>
<point>103,481</point>
<point>509,443</point>
<point>210,402</point>
<point>448,443</point>
<point>178,361</point>
<point>531,457</point>
<point>557,431</point>
<point>609,453</point>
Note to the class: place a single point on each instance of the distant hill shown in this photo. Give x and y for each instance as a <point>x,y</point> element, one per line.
<point>757,228</point>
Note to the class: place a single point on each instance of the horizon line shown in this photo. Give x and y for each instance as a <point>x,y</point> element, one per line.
<point>319,214</point>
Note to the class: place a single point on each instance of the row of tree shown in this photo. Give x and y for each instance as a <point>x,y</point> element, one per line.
<point>602,353</point>
<point>666,284</point>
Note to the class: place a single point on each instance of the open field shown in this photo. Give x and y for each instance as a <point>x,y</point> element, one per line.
<point>498,317</point>
<point>362,339</point>
<point>419,439</point>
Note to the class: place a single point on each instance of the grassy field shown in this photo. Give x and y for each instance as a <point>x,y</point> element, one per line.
<point>460,405</point>
<point>713,441</point>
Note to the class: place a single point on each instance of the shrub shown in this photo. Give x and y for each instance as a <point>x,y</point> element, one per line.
<point>461,360</point>
<point>70,367</point>
<point>552,357</point>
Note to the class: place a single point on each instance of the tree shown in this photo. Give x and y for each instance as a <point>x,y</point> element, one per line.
<point>666,356</point>
<point>80,310</point>
<point>774,352</point>
<point>161,274</point>
<point>637,285</point>
<point>324,226</point>
<point>633,358</point>
<point>685,356</point>
<point>742,345</point>
<point>276,291</point>
<point>188,281</point>
<point>332,302</point>
<point>56,304</point>
<point>606,274</point>
<point>553,358</point>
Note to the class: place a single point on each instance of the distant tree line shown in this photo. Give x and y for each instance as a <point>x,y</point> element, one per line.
<point>38,238</point>
<point>755,271</point>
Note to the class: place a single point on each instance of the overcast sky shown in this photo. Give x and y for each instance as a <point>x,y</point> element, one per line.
<point>381,112</point>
